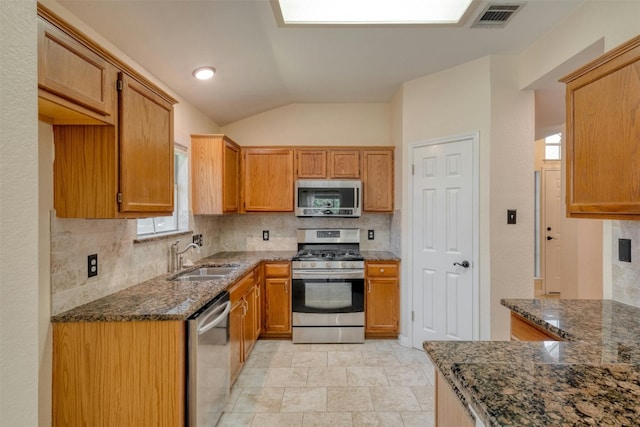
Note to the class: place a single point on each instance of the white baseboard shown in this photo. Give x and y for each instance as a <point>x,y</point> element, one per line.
<point>403,341</point>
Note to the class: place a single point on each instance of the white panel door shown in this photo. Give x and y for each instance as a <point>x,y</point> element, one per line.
<point>553,210</point>
<point>442,242</point>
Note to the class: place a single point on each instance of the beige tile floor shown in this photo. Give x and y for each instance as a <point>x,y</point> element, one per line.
<point>378,383</point>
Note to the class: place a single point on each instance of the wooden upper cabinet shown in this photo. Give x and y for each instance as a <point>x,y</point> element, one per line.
<point>113,129</point>
<point>311,164</point>
<point>268,179</point>
<point>344,164</point>
<point>146,149</point>
<point>377,180</point>
<point>603,132</point>
<point>75,84</point>
<point>328,163</point>
<point>215,175</point>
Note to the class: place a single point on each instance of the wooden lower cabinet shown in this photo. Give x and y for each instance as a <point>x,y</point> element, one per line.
<point>119,373</point>
<point>382,299</point>
<point>449,409</point>
<point>277,289</point>
<point>243,317</point>
<point>523,330</point>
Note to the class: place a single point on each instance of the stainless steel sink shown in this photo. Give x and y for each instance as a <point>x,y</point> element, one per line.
<point>207,273</point>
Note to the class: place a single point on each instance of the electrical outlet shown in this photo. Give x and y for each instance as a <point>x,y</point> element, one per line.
<point>92,265</point>
<point>371,234</point>
<point>197,239</point>
<point>624,250</point>
<point>265,234</point>
<point>511,216</point>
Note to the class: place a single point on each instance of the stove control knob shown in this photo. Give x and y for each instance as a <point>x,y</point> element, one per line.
<point>313,264</point>
<point>328,265</point>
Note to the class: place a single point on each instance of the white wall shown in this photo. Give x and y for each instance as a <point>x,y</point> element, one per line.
<point>22,327</point>
<point>452,102</point>
<point>512,187</point>
<point>315,124</point>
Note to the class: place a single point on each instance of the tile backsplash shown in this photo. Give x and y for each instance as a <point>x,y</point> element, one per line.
<point>123,263</point>
<point>626,275</point>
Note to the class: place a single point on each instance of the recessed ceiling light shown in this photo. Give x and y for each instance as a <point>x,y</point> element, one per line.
<point>204,73</point>
<point>373,12</point>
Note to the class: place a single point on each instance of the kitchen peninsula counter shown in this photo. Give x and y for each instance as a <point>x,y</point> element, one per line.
<point>164,299</point>
<point>591,378</point>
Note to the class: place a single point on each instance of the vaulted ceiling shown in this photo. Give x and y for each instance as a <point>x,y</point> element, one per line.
<point>261,65</point>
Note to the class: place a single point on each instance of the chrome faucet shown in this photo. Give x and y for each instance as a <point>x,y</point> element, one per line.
<point>176,256</point>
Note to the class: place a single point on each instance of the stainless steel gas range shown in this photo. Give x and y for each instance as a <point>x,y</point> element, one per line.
<point>328,286</point>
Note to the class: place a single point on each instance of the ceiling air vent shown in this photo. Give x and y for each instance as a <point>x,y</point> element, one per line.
<point>496,15</point>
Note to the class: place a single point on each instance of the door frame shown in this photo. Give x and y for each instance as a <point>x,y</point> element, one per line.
<point>475,260</point>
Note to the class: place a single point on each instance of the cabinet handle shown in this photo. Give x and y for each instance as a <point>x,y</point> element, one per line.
<point>368,287</point>
<point>286,288</point>
<point>382,270</point>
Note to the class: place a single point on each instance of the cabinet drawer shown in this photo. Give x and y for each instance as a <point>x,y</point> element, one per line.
<point>279,269</point>
<point>237,291</point>
<point>382,269</point>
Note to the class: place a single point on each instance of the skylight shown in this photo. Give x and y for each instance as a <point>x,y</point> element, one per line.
<point>376,12</point>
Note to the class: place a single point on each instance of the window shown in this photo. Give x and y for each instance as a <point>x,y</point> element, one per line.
<point>179,220</point>
<point>552,147</point>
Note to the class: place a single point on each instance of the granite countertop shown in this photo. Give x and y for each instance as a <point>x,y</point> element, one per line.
<point>379,256</point>
<point>163,299</point>
<point>593,378</point>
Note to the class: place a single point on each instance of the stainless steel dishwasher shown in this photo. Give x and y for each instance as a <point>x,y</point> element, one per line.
<point>208,362</point>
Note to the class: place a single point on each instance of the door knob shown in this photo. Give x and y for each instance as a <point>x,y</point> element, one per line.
<point>549,238</point>
<point>548,228</point>
<point>464,264</point>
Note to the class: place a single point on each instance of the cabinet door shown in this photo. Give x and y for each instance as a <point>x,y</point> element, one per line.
<point>277,305</point>
<point>235,339</point>
<point>146,149</point>
<point>77,86</point>
<point>603,161</point>
<point>231,177</point>
<point>382,305</point>
<point>344,164</point>
<point>259,300</point>
<point>377,181</point>
<point>311,164</point>
<point>268,180</point>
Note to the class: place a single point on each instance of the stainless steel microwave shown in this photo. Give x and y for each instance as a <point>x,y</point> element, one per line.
<point>328,197</point>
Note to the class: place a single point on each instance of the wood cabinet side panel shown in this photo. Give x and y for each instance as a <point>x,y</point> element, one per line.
<point>449,410</point>
<point>146,149</point>
<point>119,373</point>
<point>84,171</point>
<point>206,180</point>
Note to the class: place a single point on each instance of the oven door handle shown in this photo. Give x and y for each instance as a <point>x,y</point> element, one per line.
<point>333,274</point>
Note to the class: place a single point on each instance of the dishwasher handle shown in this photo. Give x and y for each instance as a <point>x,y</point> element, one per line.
<point>226,308</point>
